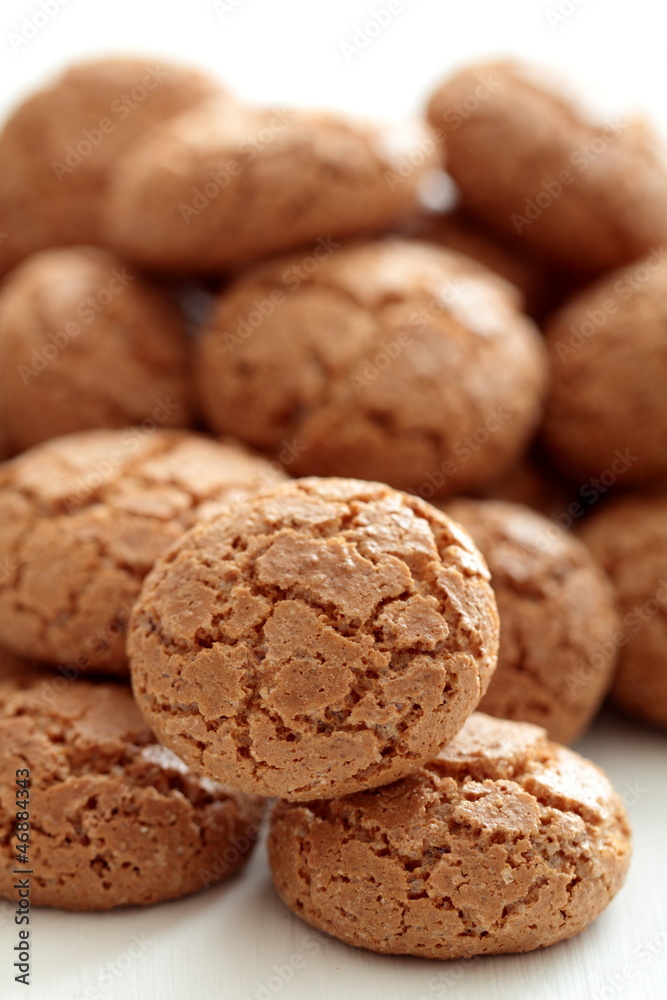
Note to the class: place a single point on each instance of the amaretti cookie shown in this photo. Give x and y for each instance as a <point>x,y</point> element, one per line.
<point>115,819</point>
<point>557,613</point>
<point>606,411</point>
<point>86,342</point>
<point>224,184</point>
<point>629,537</point>
<point>328,636</point>
<point>394,360</point>
<point>82,520</point>
<point>531,160</point>
<point>504,843</point>
<point>59,144</point>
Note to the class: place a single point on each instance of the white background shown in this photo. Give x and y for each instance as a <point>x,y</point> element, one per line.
<point>227,943</point>
<point>272,51</point>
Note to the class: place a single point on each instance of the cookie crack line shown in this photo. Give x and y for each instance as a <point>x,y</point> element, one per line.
<point>291,656</point>
<point>253,682</point>
<point>152,445</point>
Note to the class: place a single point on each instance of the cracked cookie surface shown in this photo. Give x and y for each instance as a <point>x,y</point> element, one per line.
<point>557,618</point>
<point>330,635</point>
<point>629,537</point>
<point>395,361</point>
<point>82,520</point>
<point>85,342</point>
<point>504,843</point>
<point>224,184</point>
<point>59,145</point>
<point>116,820</point>
<point>531,160</point>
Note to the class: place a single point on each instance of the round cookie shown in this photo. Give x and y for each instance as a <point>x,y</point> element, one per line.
<point>58,146</point>
<point>330,635</point>
<point>85,342</point>
<point>629,537</point>
<point>606,411</point>
<point>394,361</point>
<point>224,184</point>
<point>504,843</point>
<point>82,520</point>
<point>117,820</point>
<point>557,618</point>
<point>530,160</point>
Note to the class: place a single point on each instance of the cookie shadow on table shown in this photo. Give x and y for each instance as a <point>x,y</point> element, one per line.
<point>116,939</point>
<point>268,943</point>
<point>241,928</point>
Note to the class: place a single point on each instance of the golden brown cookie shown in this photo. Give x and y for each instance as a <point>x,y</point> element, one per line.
<point>224,184</point>
<point>82,520</point>
<point>86,342</point>
<point>328,636</point>
<point>607,405</point>
<point>395,361</point>
<point>115,819</point>
<point>504,843</point>
<point>557,618</point>
<point>629,537</point>
<point>529,159</point>
<point>58,146</point>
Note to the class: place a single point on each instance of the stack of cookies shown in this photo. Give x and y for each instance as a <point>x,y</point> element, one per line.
<point>295,468</point>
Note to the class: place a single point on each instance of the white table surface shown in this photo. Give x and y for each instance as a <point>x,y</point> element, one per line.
<point>237,941</point>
